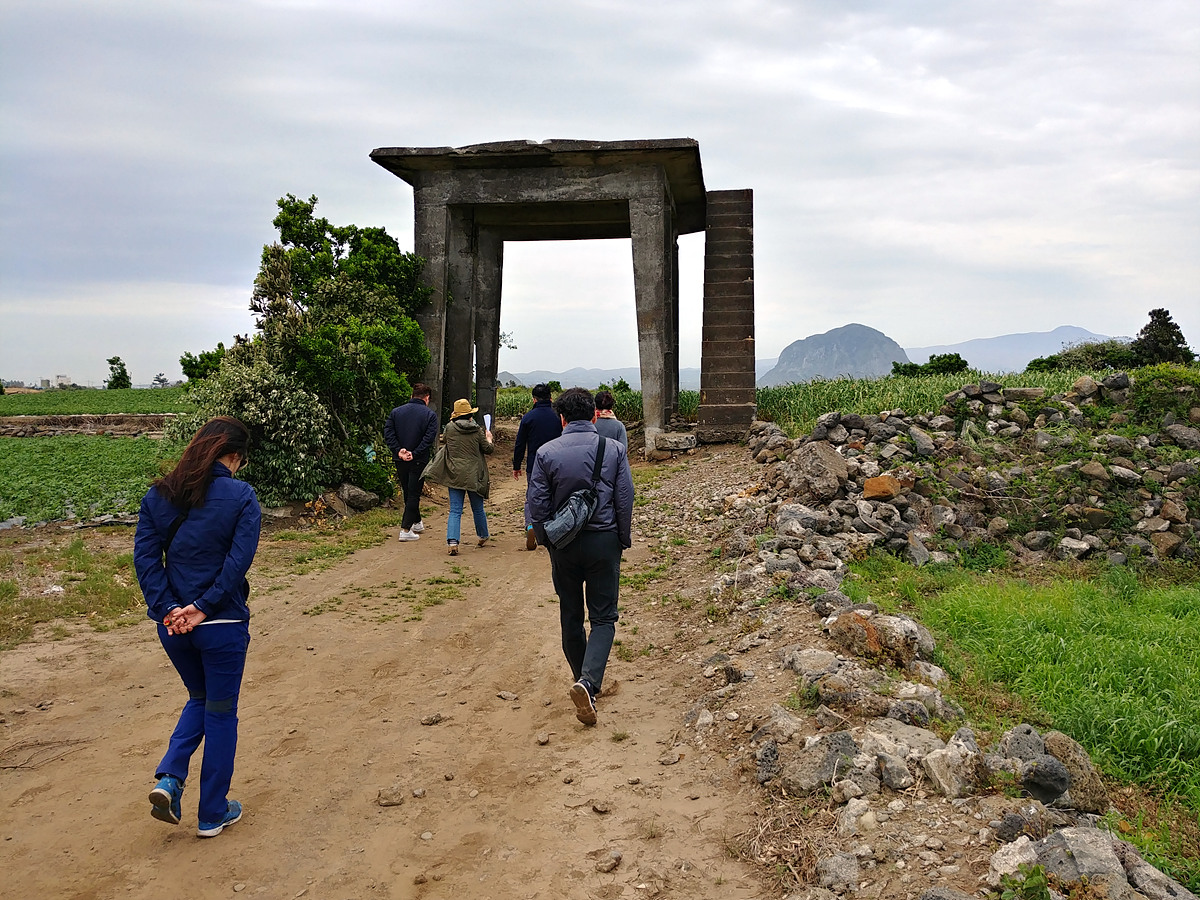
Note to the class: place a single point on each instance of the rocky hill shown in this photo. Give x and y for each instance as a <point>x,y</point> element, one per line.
<point>853,350</point>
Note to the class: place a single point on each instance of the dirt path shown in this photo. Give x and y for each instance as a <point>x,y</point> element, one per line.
<point>331,714</point>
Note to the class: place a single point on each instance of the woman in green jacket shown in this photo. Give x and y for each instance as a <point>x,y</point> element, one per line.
<point>461,466</point>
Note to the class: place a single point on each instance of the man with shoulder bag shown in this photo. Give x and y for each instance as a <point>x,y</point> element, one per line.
<point>570,476</point>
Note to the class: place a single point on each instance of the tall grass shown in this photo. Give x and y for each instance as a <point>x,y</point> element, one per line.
<point>94,403</point>
<point>796,407</point>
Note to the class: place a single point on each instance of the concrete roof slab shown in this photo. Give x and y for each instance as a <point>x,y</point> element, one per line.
<point>678,157</point>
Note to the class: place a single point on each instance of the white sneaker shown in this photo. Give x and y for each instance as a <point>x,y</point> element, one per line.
<point>418,527</point>
<point>409,536</point>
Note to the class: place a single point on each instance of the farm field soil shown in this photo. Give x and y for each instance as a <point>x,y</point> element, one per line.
<point>340,673</point>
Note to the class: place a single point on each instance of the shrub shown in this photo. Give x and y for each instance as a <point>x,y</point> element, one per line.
<point>1162,389</point>
<point>289,428</point>
<point>939,364</point>
<point>1091,356</point>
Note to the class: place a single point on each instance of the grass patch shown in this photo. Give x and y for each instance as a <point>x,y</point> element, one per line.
<point>97,582</point>
<point>300,551</point>
<point>75,475</point>
<point>1103,654</point>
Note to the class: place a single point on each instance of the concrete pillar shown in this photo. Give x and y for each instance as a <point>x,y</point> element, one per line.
<point>489,267</point>
<point>727,393</point>
<point>460,324</point>
<point>650,227</point>
<point>429,242</point>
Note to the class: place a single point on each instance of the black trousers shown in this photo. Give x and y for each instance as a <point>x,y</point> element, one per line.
<point>408,474</point>
<point>587,573</point>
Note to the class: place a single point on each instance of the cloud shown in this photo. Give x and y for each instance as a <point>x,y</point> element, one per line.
<point>939,171</point>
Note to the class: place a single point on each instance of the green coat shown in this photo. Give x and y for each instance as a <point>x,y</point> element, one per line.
<point>461,463</point>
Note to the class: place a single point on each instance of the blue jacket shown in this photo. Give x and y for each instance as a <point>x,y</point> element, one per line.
<point>537,426</point>
<point>565,465</point>
<point>412,426</point>
<point>208,558</point>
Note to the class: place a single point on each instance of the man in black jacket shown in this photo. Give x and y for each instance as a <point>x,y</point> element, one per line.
<point>593,559</point>
<point>411,431</point>
<point>537,426</point>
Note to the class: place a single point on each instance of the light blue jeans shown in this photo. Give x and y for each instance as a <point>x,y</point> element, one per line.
<point>454,521</point>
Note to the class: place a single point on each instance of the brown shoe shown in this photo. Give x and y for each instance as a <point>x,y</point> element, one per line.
<point>453,548</point>
<point>530,539</point>
<point>482,541</point>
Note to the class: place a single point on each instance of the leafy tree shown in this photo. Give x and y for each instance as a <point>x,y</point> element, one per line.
<point>1161,341</point>
<point>554,386</point>
<point>160,380</point>
<point>197,367</point>
<point>332,310</point>
<point>118,375</point>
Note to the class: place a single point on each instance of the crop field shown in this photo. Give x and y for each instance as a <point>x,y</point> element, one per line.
<point>796,407</point>
<point>75,476</point>
<point>96,403</point>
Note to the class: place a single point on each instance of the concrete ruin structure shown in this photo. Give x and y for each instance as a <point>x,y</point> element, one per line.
<point>469,200</point>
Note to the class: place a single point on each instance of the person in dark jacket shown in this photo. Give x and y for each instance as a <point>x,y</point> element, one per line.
<point>537,426</point>
<point>593,560</point>
<point>411,431</point>
<point>462,468</point>
<point>607,422</point>
<point>197,534</point>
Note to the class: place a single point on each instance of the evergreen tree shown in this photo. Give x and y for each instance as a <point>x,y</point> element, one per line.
<point>1161,340</point>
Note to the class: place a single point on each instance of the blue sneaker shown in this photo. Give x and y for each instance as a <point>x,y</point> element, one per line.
<point>164,799</point>
<point>233,813</point>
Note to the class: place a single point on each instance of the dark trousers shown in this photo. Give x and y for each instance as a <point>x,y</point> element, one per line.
<point>210,660</point>
<point>587,573</point>
<point>408,474</point>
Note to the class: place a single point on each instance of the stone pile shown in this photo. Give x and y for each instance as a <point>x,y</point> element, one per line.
<point>858,729</point>
<point>1006,466</point>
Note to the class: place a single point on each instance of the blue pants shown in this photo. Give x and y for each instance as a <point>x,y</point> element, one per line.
<point>210,659</point>
<point>593,560</point>
<point>454,520</point>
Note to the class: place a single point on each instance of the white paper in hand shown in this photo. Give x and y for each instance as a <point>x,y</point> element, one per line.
<point>487,421</point>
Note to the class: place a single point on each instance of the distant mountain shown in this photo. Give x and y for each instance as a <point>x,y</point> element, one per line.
<point>1009,352</point>
<point>853,350</point>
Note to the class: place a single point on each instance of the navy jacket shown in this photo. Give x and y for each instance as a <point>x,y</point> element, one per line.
<point>210,555</point>
<point>537,426</point>
<point>565,465</point>
<point>414,427</point>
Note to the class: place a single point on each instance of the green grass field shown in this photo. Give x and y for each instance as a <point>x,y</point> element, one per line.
<point>94,402</point>
<point>46,478</point>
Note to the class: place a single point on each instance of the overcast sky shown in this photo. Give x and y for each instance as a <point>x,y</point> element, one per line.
<point>939,171</point>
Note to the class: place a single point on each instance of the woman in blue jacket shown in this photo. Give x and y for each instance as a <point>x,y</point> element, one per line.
<point>196,537</point>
